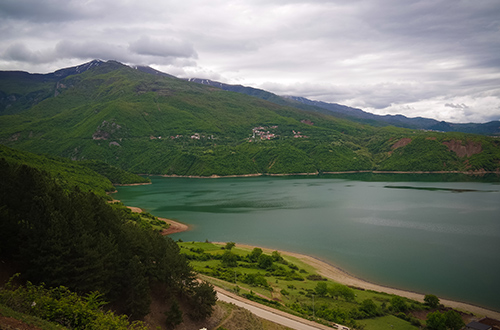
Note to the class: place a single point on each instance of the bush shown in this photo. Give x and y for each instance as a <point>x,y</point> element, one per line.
<point>398,304</point>
<point>66,308</point>
<point>316,277</point>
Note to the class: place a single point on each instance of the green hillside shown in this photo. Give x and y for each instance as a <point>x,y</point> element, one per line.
<point>153,124</point>
<point>94,176</point>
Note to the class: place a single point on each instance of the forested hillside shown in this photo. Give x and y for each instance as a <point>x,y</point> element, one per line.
<point>95,176</point>
<point>156,124</point>
<point>60,236</point>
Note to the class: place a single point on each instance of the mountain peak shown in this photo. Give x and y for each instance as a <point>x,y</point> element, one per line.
<point>78,69</point>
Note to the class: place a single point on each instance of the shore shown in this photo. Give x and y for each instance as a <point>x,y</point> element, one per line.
<point>338,275</point>
<point>215,176</point>
<point>174,226</point>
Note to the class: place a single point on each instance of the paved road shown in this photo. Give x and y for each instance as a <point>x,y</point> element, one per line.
<point>271,314</point>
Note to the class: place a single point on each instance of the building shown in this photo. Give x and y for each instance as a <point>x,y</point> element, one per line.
<point>477,326</point>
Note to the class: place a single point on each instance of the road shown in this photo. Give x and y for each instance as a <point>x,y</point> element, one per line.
<point>271,314</point>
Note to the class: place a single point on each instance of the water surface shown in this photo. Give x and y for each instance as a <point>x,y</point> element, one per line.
<point>430,237</point>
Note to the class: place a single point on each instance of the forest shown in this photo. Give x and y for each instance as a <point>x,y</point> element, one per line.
<point>73,239</point>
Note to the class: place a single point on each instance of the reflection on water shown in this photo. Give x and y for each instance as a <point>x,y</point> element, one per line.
<point>417,235</point>
<point>455,190</point>
<point>479,230</point>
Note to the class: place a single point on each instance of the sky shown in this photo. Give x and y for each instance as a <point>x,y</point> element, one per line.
<point>437,59</point>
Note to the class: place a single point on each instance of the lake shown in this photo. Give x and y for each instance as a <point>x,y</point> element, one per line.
<point>432,234</point>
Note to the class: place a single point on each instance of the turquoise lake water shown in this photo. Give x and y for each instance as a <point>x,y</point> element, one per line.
<point>427,236</point>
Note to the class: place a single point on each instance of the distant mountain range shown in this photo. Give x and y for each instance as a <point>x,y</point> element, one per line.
<point>146,121</point>
<point>358,115</point>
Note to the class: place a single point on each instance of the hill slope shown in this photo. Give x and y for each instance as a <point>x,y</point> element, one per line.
<point>146,122</point>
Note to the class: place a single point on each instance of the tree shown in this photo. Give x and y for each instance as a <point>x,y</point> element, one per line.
<point>369,307</point>
<point>436,321</point>
<point>335,290</point>
<point>230,245</point>
<point>255,254</point>
<point>339,290</point>
<point>277,256</point>
<point>202,301</point>
<point>347,293</point>
<point>431,300</point>
<point>265,261</point>
<point>229,259</point>
<point>174,315</point>
<point>454,320</point>
<point>136,286</point>
<point>398,304</point>
<point>321,289</point>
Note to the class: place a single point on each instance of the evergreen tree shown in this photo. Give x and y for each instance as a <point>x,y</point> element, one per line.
<point>174,315</point>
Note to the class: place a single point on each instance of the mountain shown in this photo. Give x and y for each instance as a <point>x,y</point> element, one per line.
<point>358,115</point>
<point>489,128</point>
<point>21,90</point>
<point>148,69</point>
<point>146,122</point>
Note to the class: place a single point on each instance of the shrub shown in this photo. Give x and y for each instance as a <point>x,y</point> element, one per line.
<point>64,307</point>
<point>316,277</point>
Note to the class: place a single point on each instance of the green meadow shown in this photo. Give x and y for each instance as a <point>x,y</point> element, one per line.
<point>287,283</point>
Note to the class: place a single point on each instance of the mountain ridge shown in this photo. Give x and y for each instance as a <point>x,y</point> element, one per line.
<point>146,122</point>
<point>359,115</point>
<point>343,111</point>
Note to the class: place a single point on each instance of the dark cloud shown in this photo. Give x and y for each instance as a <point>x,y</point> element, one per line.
<point>91,49</point>
<point>43,11</point>
<point>456,106</point>
<point>20,52</point>
<point>162,47</point>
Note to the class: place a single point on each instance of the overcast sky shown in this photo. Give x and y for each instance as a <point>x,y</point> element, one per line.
<point>432,58</point>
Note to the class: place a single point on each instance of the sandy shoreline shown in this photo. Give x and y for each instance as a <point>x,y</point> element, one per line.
<point>175,227</point>
<point>338,275</point>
